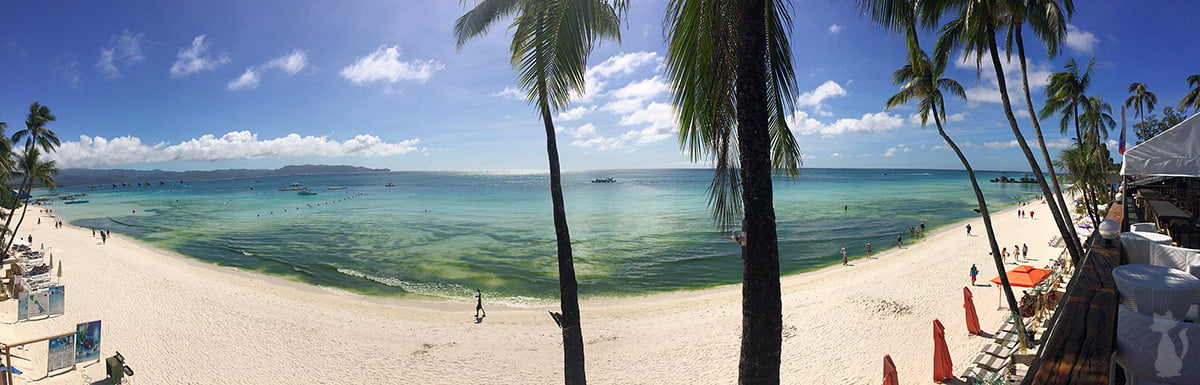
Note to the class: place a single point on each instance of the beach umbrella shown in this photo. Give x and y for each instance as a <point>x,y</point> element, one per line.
<point>1024,276</point>
<point>943,367</point>
<point>889,371</point>
<point>60,269</point>
<point>972,317</point>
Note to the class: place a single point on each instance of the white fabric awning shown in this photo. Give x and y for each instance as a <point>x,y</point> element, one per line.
<point>1174,152</point>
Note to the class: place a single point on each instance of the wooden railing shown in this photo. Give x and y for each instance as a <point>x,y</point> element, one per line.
<point>1078,346</point>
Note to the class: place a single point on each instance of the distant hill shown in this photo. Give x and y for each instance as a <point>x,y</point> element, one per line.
<point>83,177</point>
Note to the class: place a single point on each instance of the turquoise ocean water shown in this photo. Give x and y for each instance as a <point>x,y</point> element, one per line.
<point>444,234</point>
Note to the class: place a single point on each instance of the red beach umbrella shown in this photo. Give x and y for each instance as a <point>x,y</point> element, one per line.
<point>972,317</point>
<point>943,367</point>
<point>889,371</point>
<point>1024,276</point>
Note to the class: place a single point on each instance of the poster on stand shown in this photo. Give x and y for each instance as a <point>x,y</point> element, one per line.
<point>37,304</point>
<point>87,341</point>
<point>57,298</point>
<point>62,353</point>
<point>22,304</point>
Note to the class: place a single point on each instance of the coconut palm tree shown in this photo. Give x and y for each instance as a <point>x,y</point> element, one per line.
<point>35,134</point>
<point>729,66</point>
<point>1096,121</point>
<point>1065,94</point>
<point>1192,98</point>
<point>1140,100</point>
<point>973,31</point>
<point>552,40</point>
<point>1048,20</point>
<point>921,80</point>
<point>34,170</point>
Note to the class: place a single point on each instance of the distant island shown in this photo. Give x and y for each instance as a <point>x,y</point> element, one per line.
<point>1006,179</point>
<point>84,177</point>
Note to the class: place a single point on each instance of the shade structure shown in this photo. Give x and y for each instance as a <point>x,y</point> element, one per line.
<point>1174,152</point>
<point>972,317</point>
<point>889,371</point>
<point>943,367</point>
<point>1024,276</point>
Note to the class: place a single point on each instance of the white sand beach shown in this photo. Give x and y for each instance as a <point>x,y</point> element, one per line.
<point>179,321</point>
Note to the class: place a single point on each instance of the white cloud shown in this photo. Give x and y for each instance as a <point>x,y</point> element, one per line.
<point>584,130</point>
<point>624,63</point>
<point>511,93</point>
<point>890,152</point>
<point>615,66</point>
<point>938,147</point>
<point>1079,40</point>
<point>987,89</point>
<point>123,49</point>
<point>659,119</point>
<point>623,106</point>
<point>384,66</point>
<point>915,119</point>
<point>642,89</point>
<point>835,28</point>
<point>194,59</point>
<point>90,152</point>
<point>290,64</point>
<point>835,155</point>
<point>813,99</point>
<point>801,124</point>
<point>574,113</point>
<point>249,79</point>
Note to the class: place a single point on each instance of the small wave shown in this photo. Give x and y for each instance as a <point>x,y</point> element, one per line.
<point>922,173</point>
<point>442,290</point>
<point>247,254</point>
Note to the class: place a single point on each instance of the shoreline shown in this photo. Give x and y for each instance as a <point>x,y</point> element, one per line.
<point>173,317</point>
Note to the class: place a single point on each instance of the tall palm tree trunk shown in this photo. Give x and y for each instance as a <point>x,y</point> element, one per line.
<point>8,221</point>
<point>23,188</point>
<point>1012,122</point>
<point>1058,207</point>
<point>987,222</point>
<point>573,364</point>
<point>762,309</point>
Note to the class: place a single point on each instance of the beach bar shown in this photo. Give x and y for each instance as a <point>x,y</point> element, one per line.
<point>1132,303</point>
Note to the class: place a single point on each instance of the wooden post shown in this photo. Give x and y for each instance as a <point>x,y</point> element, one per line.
<point>7,365</point>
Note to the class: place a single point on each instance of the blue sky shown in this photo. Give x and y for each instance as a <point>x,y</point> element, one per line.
<point>262,84</point>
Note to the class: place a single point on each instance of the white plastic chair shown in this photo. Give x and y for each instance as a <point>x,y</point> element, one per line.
<point>1155,350</point>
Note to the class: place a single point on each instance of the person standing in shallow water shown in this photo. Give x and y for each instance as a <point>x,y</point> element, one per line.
<point>899,241</point>
<point>479,304</point>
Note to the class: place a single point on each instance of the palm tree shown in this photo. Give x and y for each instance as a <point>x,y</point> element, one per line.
<point>1192,98</point>
<point>33,170</point>
<point>1096,121</point>
<point>921,80</point>
<point>1065,95</point>
<point>35,134</point>
<point>1089,166</point>
<point>1048,20</point>
<point>974,31</point>
<point>729,66</point>
<point>551,43</point>
<point>1140,100</point>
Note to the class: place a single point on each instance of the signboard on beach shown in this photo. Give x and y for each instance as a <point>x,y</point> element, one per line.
<point>87,341</point>
<point>34,304</point>
<point>62,353</point>
<point>57,298</point>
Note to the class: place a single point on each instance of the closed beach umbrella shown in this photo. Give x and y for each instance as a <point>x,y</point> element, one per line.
<point>889,371</point>
<point>943,367</point>
<point>972,317</point>
<point>60,269</point>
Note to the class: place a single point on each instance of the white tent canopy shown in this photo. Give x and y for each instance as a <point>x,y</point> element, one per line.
<point>1174,152</point>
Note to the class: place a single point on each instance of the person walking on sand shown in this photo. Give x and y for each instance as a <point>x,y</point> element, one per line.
<point>974,273</point>
<point>868,249</point>
<point>1017,253</point>
<point>968,229</point>
<point>1004,254</point>
<point>1025,251</point>
<point>103,237</point>
<point>479,304</point>
<point>899,242</point>
<point>844,256</point>
<point>1031,214</point>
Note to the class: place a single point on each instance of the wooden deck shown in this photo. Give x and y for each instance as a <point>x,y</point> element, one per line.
<point>1078,347</point>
